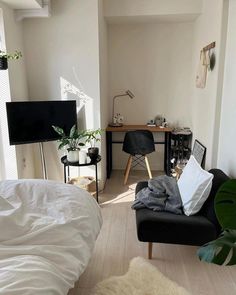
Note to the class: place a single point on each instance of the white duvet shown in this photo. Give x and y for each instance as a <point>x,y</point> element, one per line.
<point>47,234</point>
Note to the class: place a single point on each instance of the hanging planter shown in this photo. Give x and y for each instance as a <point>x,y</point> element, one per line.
<point>3,63</point>
<point>4,57</point>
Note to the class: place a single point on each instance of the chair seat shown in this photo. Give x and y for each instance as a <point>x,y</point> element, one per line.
<point>164,227</point>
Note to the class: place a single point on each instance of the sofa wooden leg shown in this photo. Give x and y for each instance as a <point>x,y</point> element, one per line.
<point>149,250</point>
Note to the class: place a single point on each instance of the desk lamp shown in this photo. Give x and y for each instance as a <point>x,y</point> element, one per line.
<point>114,123</point>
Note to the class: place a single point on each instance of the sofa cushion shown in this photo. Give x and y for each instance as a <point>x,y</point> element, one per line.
<point>194,186</point>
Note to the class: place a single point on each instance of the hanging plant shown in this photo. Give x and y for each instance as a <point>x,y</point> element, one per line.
<point>4,57</point>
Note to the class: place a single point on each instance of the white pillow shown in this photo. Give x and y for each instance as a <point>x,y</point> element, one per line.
<point>194,186</point>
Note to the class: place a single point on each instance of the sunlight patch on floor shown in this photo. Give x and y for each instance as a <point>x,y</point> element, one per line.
<point>116,192</point>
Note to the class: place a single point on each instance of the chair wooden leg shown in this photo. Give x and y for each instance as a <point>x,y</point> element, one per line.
<point>128,169</point>
<point>149,250</point>
<point>148,167</point>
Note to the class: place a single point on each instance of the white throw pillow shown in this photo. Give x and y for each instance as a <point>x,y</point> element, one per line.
<point>194,186</point>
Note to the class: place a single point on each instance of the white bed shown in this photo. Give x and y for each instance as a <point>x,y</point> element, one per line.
<point>47,234</point>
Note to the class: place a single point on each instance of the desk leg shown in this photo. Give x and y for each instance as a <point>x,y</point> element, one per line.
<point>68,173</point>
<point>96,176</point>
<point>109,153</point>
<point>64,173</point>
<point>167,153</point>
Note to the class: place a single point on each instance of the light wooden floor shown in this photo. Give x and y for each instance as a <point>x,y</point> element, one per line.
<point>117,244</point>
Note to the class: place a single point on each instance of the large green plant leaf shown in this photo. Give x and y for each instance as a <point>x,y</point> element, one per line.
<point>225,204</point>
<point>220,251</point>
<point>223,250</point>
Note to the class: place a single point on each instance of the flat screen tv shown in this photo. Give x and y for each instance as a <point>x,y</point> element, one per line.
<point>31,121</point>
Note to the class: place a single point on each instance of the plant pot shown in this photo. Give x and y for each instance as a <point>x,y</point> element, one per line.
<point>3,63</point>
<point>93,153</point>
<point>73,156</point>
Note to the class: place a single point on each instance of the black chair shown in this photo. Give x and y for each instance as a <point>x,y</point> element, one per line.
<point>165,227</point>
<point>138,144</point>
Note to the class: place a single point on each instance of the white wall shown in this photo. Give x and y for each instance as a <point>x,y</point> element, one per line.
<point>204,101</point>
<point>157,69</point>
<point>131,47</point>
<point>63,63</point>
<point>18,85</point>
<point>64,52</point>
<point>227,140</point>
<point>103,57</point>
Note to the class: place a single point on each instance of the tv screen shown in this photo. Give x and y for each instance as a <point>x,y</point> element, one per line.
<point>31,121</point>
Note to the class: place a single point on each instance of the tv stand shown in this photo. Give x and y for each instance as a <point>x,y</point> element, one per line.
<point>43,162</point>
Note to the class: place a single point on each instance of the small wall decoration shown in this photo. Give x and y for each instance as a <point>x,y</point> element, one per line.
<point>207,62</point>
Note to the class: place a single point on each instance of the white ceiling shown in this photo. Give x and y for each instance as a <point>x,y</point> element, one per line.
<point>23,4</point>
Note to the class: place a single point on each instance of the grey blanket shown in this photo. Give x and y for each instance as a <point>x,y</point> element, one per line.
<point>161,194</point>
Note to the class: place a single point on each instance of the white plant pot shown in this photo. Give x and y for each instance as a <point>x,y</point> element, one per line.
<point>82,157</point>
<point>73,156</point>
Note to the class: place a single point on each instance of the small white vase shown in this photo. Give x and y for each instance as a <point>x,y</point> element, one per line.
<point>82,157</point>
<point>73,156</point>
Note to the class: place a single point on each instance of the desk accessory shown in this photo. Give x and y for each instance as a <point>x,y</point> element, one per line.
<point>118,119</point>
<point>151,123</point>
<point>158,120</point>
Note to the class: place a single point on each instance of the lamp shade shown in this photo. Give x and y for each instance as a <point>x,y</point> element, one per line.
<point>130,94</point>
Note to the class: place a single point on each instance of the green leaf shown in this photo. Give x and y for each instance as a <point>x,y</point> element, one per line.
<point>73,132</point>
<point>221,256</point>
<point>15,55</point>
<point>93,136</point>
<point>225,204</point>
<point>61,145</point>
<point>207,252</point>
<point>59,130</point>
<point>220,251</point>
<point>232,260</point>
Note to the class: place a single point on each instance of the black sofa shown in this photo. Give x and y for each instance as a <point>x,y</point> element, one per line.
<point>164,227</point>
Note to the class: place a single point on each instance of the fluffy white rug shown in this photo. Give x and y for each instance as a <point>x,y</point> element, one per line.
<point>142,278</point>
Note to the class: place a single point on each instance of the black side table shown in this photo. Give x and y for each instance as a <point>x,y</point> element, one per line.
<point>67,164</point>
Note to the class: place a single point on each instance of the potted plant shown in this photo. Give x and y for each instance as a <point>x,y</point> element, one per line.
<point>4,57</point>
<point>93,136</point>
<point>72,141</point>
<point>222,251</point>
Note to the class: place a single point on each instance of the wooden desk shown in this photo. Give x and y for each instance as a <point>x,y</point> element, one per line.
<point>125,128</point>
